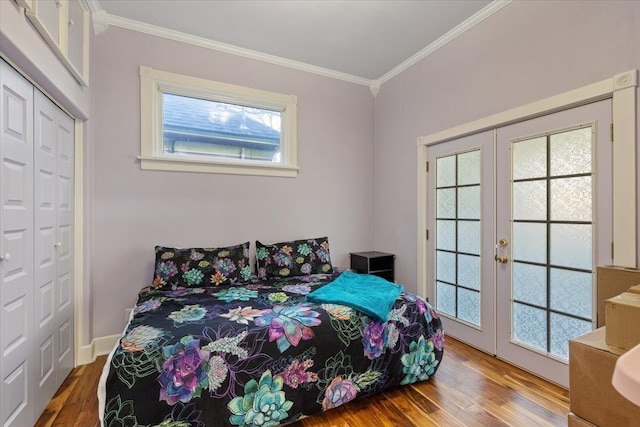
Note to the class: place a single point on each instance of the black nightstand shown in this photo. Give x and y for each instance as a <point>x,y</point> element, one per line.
<point>378,263</point>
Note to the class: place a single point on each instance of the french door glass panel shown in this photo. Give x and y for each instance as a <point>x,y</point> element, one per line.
<point>458,209</point>
<point>461,214</point>
<point>552,209</point>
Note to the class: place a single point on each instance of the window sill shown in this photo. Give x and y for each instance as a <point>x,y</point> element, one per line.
<point>207,166</point>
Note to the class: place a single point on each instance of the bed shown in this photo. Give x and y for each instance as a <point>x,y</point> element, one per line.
<point>211,344</point>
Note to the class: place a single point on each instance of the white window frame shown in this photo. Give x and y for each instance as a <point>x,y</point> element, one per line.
<point>154,83</point>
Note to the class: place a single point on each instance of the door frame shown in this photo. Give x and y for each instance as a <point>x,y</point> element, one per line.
<point>621,88</point>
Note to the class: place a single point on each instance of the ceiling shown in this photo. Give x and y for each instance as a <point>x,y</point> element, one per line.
<point>368,40</point>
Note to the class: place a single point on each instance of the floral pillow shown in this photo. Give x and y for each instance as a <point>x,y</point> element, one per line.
<point>294,258</point>
<point>200,267</point>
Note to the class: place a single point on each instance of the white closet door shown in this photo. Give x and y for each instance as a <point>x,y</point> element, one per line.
<point>16,248</point>
<point>53,141</point>
<point>64,246</point>
<point>45,145</point>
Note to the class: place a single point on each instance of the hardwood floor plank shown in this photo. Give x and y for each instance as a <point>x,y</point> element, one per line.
<point>433,411</point>
<point>471,388</point>
<point>526,384</point>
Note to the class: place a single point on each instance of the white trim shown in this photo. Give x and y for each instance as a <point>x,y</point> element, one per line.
<point>204,166</point>
<point>622,89</point>
<point>374,87</point>
<point>103,345</point>
<point>624,177</point>
<point>94,6</point>
<point>27,4</point>
<point>584,95</point>
<point>153,83</point>
<point>85,354</point>
<point>470,22</point>
<point>422,288</point>
<point>98,347</point>
<point>78,234</point>
<point>157,31</point>
<point>102,20</point>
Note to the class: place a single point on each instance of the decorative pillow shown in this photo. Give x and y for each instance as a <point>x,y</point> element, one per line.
<point>294,258</point>
<point>200,267</point>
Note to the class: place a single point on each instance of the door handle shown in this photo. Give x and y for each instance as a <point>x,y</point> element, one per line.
<point>5,257</point>
<point>500,247</point>
<point>502,259</point>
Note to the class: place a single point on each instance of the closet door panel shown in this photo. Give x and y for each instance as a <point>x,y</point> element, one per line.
<point>64,244</point>
<point>16,248</point>
<point>46,288</point>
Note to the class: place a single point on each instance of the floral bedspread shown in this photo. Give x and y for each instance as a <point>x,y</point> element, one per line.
<point>259,354</point>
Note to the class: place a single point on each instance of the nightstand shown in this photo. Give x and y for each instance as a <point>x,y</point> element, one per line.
<point>377,263</point>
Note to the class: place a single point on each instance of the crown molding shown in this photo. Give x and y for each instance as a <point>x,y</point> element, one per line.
<point>473,20</point>
<point>374,87</point>
<point>99,17</point>
<point>227,48</point>
<point>101,21</point>
<point>94,6</point>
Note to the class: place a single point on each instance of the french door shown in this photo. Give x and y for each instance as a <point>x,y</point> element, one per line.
<point>462,211</point>
<point>522,217</point>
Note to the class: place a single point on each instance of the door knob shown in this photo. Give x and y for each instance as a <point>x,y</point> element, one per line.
<point>502,259</point>
<point>5,257</point>
<point>57,244</point>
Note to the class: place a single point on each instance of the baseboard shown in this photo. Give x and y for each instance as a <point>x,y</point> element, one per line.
<point>85,355</point>
<point>98,347</point>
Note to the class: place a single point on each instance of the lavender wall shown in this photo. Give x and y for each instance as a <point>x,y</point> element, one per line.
<point>525,52</point>
<point>134,210</point>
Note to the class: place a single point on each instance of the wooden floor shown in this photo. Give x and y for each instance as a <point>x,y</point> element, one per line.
<point>470,388</point>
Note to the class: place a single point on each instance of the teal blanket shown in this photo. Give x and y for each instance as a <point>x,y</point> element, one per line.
<point>370,294</point>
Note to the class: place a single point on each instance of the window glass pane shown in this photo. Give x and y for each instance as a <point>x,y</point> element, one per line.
<point>469,237</point>
<point>530,326</point>
<point>469,306</point>
<point>530,158</point>
<point>530,284</point>
<point>469,168</point>
<point>446,235</point>
<point>530,242</point>
<point>570,152</point>
<point>458,230</point>
<point>446,171</point>
<point>571,199</point>
<point>446,298</point>
<point>563,329</point>
<point>469,271</point>
<point>571,245</point>
<point>446,266</point>
<point>530,200</point>
<point>211,129</point>
<point>446,203</point>
<point>469,202</point>
<point>571,292</point>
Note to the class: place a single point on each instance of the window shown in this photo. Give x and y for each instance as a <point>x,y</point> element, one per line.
<point>196,125</point>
